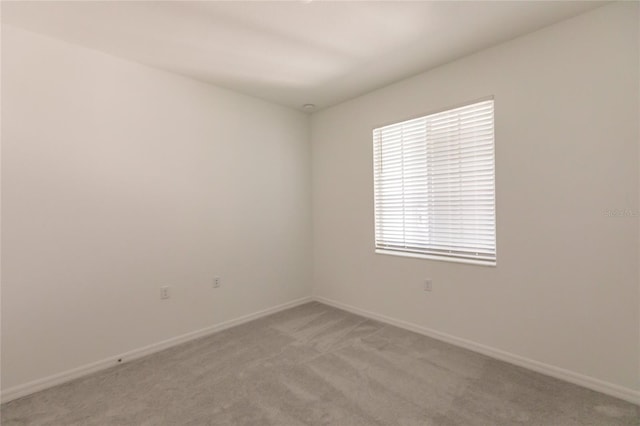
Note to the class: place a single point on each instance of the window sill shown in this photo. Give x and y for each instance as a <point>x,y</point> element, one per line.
<point>435,257</point>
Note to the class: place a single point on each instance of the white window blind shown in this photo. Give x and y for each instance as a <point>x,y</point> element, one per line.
<point>434,180</point>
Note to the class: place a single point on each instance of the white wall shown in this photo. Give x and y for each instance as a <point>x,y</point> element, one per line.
<point>565,291</point>
<point>118,179</point>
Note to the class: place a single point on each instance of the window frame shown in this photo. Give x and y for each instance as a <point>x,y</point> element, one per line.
<point>432,256</point>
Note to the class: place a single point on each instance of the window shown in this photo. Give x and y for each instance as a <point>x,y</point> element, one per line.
<point>434,186</point>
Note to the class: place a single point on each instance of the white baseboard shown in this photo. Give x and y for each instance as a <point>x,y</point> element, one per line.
<point>66,376</point>
<point>592,383</point>
<point>627,394</point>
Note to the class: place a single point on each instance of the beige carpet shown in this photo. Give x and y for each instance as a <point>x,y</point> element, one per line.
<point>316,365</point>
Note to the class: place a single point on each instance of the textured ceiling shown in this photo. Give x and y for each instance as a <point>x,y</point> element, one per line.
<point>291,53</point>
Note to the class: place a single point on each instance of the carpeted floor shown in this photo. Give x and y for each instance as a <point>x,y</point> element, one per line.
<point>316,365</point>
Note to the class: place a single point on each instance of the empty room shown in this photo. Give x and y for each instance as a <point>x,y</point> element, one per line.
<point>346,213</point>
